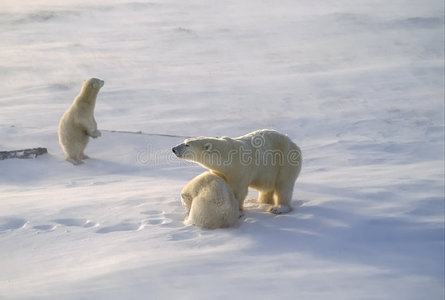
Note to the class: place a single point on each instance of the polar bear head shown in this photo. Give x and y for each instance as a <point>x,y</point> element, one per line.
<point>93,83</point>
<point>212,153</point>
<point>89,91</point>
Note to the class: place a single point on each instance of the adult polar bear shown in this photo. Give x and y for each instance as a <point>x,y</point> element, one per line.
<point>265,160</point>
<point>78,124</point>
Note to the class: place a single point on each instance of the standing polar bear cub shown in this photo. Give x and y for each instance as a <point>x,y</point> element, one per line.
<point>78,124</point>
<point>264,160</point>
<point>210,202</point>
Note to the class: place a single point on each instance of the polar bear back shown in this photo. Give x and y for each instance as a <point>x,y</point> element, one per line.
<point>210,202</point>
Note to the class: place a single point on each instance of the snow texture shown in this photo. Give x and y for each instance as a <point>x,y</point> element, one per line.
<point>358,85</point>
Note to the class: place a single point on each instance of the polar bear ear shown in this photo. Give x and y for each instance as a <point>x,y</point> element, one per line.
<point>186,198</point>
<point>208,146</point>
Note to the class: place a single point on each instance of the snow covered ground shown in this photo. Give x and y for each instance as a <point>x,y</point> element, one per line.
<point>357,84</point>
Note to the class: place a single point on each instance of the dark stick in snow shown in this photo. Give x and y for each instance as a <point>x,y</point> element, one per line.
<point>25,153</point>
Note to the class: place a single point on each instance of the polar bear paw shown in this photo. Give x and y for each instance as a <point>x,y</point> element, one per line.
<point>75,161</point>
<point>279,209</point>
<point>95,134</point>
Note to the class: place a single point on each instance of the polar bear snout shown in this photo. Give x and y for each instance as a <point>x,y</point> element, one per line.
<point>97,83</point>
<point>179,150</point>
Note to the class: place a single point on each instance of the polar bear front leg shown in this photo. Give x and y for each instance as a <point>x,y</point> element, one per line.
<point>92,130</point>
<point>265,197</point>
<point>240,194</point>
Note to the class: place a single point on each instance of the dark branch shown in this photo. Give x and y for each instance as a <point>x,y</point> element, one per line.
<point>25,153</point>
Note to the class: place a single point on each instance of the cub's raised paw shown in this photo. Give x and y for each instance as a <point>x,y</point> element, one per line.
<point>279,209</point>
<point>96,134</point>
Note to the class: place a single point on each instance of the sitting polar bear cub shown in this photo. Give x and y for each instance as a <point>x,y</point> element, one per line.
<point>265,160</point>
<point>210,202</point>
<point>78,124</point>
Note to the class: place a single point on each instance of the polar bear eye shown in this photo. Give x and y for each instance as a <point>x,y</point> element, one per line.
<point>207,147</point>
<point>187,145</point>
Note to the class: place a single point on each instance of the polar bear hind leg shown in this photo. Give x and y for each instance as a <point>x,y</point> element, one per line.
<point>283,194</point>
<point>74,151</point>
<point>282,201</point>
<point>279,209</point>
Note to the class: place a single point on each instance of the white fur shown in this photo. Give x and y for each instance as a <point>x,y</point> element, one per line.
<point>210,202</point>
<point>78,124</point>
<point>265,160</point>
